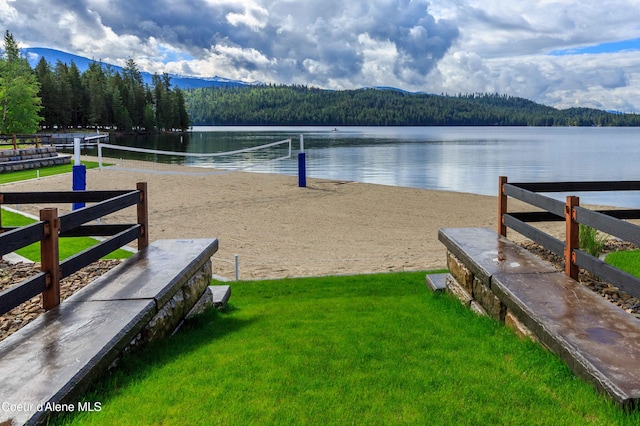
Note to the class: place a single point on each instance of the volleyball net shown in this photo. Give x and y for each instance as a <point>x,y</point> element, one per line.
<point>118,157</point>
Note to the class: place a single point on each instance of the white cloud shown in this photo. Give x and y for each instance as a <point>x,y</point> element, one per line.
<point>438,46</point>
<point>253,16</point>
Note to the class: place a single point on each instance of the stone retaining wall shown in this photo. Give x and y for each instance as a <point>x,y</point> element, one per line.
<point>476,294</point>
<point>12,160</point>
<point>177,308</point>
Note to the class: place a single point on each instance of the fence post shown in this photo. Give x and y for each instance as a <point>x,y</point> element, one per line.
<point>502,206</point>
<point>572,238</point>
<point>143,215</point>
<point>15,142</point>
<point>49,257</point>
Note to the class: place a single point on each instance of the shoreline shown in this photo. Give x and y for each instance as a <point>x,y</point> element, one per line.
<point>280,230</point>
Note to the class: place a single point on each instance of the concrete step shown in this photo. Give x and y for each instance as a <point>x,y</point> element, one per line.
<point>437,282</point>
<point>221,294</point>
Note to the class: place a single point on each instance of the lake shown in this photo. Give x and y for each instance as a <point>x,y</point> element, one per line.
<point>463,159</point>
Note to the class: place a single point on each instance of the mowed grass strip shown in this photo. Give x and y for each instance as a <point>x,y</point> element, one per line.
<point>368,349</point>
<point>67,246</point>
<point>43,172</point>
<point>628,261</point>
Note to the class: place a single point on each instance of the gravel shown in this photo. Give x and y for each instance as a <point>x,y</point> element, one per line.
<point>11,274</point>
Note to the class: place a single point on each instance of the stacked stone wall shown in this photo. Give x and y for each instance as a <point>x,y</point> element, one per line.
<point>12,160</point>
<point>475,293</point>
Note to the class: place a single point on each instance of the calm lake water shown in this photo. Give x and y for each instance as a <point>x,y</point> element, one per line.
<point>464,159</point>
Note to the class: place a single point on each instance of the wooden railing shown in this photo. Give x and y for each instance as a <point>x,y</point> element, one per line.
<point>612,222</point>
<point>73,224</point>
<point>16,141</point>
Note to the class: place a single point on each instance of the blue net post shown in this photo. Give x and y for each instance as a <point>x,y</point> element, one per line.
<point>302,165</point>
<point>79,182</point>
<point>302,170</point>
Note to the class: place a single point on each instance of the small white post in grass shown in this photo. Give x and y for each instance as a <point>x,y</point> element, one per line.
<point>237,268</point>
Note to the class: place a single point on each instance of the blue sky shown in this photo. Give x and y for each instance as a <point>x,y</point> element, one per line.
<point>612,47</point>
<point>560,53</point>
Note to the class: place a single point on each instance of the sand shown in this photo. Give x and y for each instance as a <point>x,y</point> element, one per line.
<point>280,230</point>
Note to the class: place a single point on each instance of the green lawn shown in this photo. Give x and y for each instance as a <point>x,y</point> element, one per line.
<point>67,246</point>
<point>628,261</point>
<point>45,171</point>
<point>368,349</point>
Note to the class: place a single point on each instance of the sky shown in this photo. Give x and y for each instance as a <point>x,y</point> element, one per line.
<point>561,53</point>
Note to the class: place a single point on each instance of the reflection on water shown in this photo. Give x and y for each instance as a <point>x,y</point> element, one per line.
<point>465,159</point>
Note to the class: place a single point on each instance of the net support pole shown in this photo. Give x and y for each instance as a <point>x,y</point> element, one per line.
<point>79,173</point>
<point>302,165</point>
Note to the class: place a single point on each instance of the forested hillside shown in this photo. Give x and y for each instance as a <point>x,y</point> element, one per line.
<point>103,97</point>
<point>301,105</point>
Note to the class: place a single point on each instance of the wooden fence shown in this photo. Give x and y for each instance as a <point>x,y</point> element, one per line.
<point>73,224</point>
<point>612,222</point>
<point>15,141</point>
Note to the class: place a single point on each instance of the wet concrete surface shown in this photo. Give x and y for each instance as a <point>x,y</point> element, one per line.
<point>46,358</point>
<point>486,253</point>
<point>599,341</point>
<point>57,356</point>
<point>142,277</point>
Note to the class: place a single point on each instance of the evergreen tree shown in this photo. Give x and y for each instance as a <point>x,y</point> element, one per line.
<point>77,97</point>
<point>19,101</point>
<point>62,107</point>
<point>44,75</point>
<point>95,83</point>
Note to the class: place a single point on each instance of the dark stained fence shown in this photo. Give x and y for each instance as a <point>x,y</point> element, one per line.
<point>612,222</point>
<point>73,224</point>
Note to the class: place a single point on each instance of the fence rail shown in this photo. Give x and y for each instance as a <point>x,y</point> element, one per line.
<point>612,222</point>
<point>73,224</point>
<point>14,141</point>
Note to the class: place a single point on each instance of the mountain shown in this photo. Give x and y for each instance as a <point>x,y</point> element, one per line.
<point>52,56</point>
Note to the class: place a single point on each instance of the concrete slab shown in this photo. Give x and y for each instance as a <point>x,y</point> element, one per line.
<point>486,253</point>
<point>145,276</point>
<point>58,355</point>
<point>220,294</point>
<point>55,358</point>
<point>437,282</point>
<point>598,340</point>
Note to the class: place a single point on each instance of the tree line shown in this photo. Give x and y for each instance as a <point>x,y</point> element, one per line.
<point>302,105</point>
<point>104,97</point>
<point>60,96</point>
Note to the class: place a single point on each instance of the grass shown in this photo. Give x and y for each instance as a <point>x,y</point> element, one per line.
<point>67,246</point>
<point>628,261</point>
<point>368,349</point>
<point>591,241</point>
<point>43,172</point>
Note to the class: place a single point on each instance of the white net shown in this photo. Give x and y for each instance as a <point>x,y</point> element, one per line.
<point>118,157</point>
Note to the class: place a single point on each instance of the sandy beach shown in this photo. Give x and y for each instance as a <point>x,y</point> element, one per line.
<point>280,230</point>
